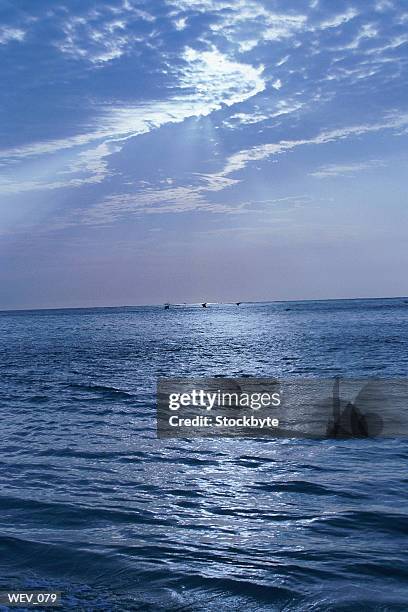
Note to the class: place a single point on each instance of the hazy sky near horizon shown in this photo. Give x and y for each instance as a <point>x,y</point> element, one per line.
<point>190,150</point>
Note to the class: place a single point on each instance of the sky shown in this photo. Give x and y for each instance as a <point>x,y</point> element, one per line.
<point>202,150</point>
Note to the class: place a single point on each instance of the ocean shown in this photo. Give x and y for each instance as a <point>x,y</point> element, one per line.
<point>95,506</point>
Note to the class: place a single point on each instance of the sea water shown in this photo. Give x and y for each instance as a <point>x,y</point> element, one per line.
<point>95,506</point>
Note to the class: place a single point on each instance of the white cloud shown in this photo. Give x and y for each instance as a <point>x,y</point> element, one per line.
<point>334,170</point>
<point>113,207</point>
<point>102,35</point>
<point>282,61</point>
<point>175,199</point>
<point>153,201</point>
<point>245,119</point>
<point>182,199</point>
<point>285,107</point>
<point>248,45</point>
<point>96,42</point>
<point>393,43</point>
<point>84,168</point>
<point>214,182</point>
<point>8,35</point>
<point>180,24</point>
<point>341,19</point>
<point>383,5</point>
<point>282,107</point>
<point>367,31</point>
<point>206,82</point>
<point>192,197</point>
<point>235,15</point>
<point>217,80</point>
<point>238,161</point>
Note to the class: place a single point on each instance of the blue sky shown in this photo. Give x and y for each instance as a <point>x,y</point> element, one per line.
<point>190,150</point>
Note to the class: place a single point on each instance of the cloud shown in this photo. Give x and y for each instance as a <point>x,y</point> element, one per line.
<point>335,170</point>
<point>282,107</point>
<point>340,19</point>
<point>8,34</point>
<point>384,5</point>
<point>235,19</point>
<point>245,119</point>
<point>367,31</point>
<point>182,199</point>
<point>154,200</point>
<point>205,82</point>
<point>98,44</point>
<point>193,53</point>
<point>87,167</point>
<point>179,199</point>
<point>181,23</point>
<point>391,44</point>
<point>101,36</point>
<point>238,161</point>
<point>193,197</point>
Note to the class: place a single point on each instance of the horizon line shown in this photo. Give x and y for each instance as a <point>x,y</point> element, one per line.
<point>160,304</point>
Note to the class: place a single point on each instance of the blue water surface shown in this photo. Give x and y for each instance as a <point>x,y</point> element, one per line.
<point>94,505</point>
